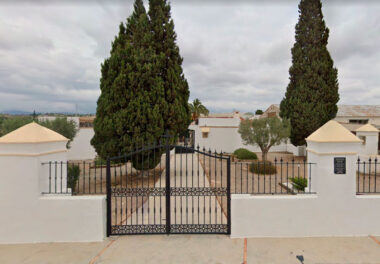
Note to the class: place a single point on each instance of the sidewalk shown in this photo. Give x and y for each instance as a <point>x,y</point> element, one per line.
<point>184,249</point>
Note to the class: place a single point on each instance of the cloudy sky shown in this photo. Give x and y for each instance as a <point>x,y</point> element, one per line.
<point>236,56</point>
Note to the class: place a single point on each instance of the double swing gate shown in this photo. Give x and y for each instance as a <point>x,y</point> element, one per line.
<point>154,190</point>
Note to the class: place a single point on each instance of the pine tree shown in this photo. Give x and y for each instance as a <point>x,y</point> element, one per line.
<point>176,110</point>
<point>312,94</point>
<point>132,94</point>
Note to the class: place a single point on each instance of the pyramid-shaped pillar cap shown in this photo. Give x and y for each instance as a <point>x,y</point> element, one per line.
<point>332,132</point>
<point>32,133</point>
<point>367,128</point>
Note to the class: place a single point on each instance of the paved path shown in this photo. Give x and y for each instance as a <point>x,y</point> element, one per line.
<point>185,171</point>
<point>197,249</point>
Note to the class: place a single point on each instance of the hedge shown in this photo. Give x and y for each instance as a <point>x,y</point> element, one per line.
<point>261,167</point>
<point>245,154</point>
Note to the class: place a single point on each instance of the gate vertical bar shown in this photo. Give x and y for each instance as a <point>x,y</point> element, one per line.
<point>229,195</point>
<point>108,183</point>
<point>167,182</point>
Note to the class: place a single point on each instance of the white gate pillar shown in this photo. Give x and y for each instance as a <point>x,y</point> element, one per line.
<point>370,140</point>
<point>26,214</point>
<point>334,150</point>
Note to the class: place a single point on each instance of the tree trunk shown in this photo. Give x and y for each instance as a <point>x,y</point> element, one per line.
<point>264,154</point>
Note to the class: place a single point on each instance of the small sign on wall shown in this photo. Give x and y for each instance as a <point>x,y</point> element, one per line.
<point>340,165</point>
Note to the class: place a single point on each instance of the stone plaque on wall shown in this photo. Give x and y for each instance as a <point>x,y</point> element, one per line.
<point>340,165</point>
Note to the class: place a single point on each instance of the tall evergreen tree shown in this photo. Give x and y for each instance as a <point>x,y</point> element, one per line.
<point>176,111</point>
<point>312,94</point>
<point>132,93</point>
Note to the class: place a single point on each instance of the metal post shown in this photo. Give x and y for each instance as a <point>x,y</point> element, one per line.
<point>108,184</point>
<point>229,195</point>
<point>167,182</point>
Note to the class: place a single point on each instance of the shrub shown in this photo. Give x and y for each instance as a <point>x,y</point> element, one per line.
<point>73,172</point>
<point>245,154</point>
<point>261,167</point>
<point>299,183</point>
<point>13,123</point>
<point>61,125</point>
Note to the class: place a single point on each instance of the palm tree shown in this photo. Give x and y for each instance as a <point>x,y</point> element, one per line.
<point>196,109</point>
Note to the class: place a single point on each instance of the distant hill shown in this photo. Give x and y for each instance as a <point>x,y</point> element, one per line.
<point>25,113</point>
<point>16,112</point>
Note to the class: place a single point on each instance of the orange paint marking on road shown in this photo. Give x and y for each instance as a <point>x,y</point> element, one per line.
<point>93,261</point>
<point>245,251</point>
<point>374,239</point>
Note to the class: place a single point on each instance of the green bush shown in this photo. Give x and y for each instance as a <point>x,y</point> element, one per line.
<point>61,125</point>
<point>12,123</point>
<point>73,172</point>
<point>299,183</point>
<point>261,167</point>
<point>245,154</point>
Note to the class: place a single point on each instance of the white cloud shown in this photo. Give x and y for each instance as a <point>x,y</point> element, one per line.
<point>235,56</point>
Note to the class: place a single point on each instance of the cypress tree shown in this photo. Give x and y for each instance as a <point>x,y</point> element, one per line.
<point>312,93</point>
<point>175,110</point>
<point>132,94</point>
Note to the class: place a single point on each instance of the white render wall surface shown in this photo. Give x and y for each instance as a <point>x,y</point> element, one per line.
<point>228,139</point>
<point>370,147</point>
<point>81,148</point>
<point>52,118</point>
<point>334,210</point>
<point>304,216</point>
<point>27,215</point>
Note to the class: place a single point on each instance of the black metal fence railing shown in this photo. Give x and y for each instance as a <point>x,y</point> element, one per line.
<point>276,177</point>
<point>253,177</point>
<point>76,178</point>
<point>368,176</point>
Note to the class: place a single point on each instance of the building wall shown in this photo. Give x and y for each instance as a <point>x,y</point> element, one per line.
<point>224,136</point>
<point>371,120</point>
<point>69,118</point>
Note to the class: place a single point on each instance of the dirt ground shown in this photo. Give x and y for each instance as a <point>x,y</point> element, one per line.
<point>368,183</point>
<point>92,179</point>
<point>244,181</point>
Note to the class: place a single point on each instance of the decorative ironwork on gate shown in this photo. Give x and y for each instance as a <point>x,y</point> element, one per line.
<point>168,189</point>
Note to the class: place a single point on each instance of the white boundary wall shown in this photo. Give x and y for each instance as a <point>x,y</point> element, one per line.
<point>27,215</point>
<point>335,209</point>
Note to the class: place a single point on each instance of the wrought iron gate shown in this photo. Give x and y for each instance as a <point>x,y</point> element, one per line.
<point>169,193</point>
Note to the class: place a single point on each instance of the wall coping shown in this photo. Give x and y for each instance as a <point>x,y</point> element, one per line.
<point>31,154</point>
<point>331,153</point>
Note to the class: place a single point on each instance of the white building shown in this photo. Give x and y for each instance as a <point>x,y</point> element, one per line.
<point>220,132</point>
<point>359,114</point>
<point>350,116</point>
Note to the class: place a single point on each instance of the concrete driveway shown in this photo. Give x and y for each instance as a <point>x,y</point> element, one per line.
<point>197,249</point>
